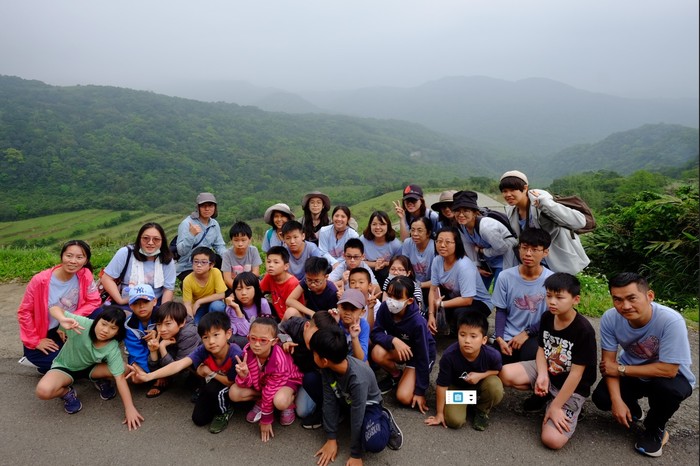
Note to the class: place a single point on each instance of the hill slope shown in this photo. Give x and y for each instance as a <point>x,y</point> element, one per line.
<point>67,148</point>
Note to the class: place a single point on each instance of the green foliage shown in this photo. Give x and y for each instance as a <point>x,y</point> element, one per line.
<point>657,236</point>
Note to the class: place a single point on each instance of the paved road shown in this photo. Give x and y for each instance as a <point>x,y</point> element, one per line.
<point>39,432</point>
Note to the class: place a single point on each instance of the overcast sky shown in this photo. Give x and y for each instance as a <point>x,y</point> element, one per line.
<point>645,48</point>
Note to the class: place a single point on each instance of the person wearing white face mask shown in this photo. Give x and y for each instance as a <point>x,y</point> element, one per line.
<point>148,261</point>
<point>401,336</point>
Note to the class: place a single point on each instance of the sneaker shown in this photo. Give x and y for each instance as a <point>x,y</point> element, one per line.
<point>254,415</point>
<point>313,420</point>
<point>71,403</point>
<point>535,404</point>
<point>106,389</point>
<point>395,434</point>
<point>481,420</point>
<point>651,442</point>
<point>581,415</point>
<point>220,422</point>
<point>387,384</point>
<point>287,417</point>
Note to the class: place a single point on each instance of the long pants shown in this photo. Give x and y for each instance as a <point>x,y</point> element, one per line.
<point>213,400</point>
<point>664,396</point>
<point>489,394</point>
<point>40,360</point>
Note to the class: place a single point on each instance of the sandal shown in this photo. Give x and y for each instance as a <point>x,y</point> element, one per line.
<point>157,388</point>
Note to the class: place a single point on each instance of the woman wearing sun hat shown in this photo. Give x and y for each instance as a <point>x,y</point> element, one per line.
<point>200,228</point>
<point>443,207</point>
<point>276,215</point>
<point>316,206</point>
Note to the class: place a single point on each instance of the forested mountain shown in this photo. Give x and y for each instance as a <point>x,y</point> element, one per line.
<point>67,148</point>
<point>650,147</point>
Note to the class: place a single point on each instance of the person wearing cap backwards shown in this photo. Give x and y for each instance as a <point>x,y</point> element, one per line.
<point>200,228</point>
<point>535,208</point>
<point>316,206</point>
<point>276,216</point>
<point>486,240</point>
<point>443,207</point>
<point>412,207</point>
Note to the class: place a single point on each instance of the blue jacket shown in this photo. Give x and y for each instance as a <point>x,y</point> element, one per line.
<point>136,346</point>
<point>412,329</point>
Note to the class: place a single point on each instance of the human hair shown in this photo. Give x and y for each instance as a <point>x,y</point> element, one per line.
<point>474,320</point>
<point>213,320</point>
<point>625,278</point>
<point>361,270</point>
<point>512,182</point>
<point>421,210</point>
<point>354,243</point>
<point>266,322</point>
<point>165,255</point>
<point>204,250</point>
<point>405,262</point>
<point>329,343</point>
<point>114,315</point>
<point>459,246</point>
<point>316,266</point>
<point>248,279</point>
<point>383,217</point>
<point>323,319</point>
<point>309,229</point>
<point>280,251</point>
<point>344,208</point>
<point>82,245</point>
<point>426,222</point>
<point>535,237</point>
<point>240,229</point>
<point>173,309</point>
<point>561,281</point>
<point>401,286</point>
<point>290,226</point>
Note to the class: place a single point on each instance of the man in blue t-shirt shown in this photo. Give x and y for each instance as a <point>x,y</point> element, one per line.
<point>654,361</point>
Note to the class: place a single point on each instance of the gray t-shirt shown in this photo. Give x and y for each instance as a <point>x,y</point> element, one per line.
<point>385,251</point>
<point>462,280</point>
<point>296,264</point>
<point>230,262</point>
<point>421,261</point>
<point>663,339</point>
<point>64,295</point>
<point>524,301</point>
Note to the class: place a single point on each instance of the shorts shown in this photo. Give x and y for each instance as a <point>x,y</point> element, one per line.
<point>76,375</point>
<point>572,407</point>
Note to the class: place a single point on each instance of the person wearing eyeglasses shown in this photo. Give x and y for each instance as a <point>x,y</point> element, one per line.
<point>314,292</point>
<point>519,298</point>
<point>456,286</point>
<point>148,260</point>
<point>353,256</point>
<point>204,289</point>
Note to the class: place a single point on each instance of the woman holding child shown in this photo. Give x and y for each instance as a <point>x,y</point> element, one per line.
<point>68,286</point>
<point>146,261</point>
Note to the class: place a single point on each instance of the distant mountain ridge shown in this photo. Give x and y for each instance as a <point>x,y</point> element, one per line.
<point>533,117</point>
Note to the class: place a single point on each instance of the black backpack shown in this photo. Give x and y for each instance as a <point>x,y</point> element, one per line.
<point>496,215</point>
<point>173,248</point>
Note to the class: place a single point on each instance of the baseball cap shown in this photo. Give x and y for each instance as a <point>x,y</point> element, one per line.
<point>412,191</point>
<point>142,291</point>
<point>353,297</point>
<point>205,197</point>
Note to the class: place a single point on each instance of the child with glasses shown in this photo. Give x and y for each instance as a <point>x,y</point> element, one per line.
<point>319,293</point>
<point>354,256</point>
<point>519,299</point>
<point>400,266</point>
<point>204,289</point>
<point>267,375</point>
<point>215,362</point>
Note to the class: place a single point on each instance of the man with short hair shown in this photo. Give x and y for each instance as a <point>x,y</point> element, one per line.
<point>654,361</point>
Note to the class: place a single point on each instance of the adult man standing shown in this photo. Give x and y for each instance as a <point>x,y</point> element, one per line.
<point>654,361</point>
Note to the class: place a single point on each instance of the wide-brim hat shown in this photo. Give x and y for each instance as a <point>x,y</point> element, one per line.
<point>326,200</point>
<point>281,207</point>
<point>446,199</point>
<point>465,200</point>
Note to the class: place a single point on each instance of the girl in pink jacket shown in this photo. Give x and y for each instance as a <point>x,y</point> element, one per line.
<point>69,286</point>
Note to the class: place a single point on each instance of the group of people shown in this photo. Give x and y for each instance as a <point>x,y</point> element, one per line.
<point>349,318</point>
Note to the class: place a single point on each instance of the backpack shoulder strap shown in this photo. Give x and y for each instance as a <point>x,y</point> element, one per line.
<point>126,263</point>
